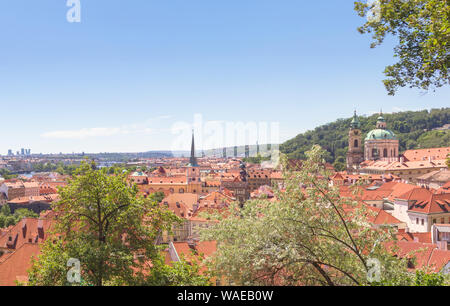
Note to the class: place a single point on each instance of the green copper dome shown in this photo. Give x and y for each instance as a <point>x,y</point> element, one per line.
<point>380,134</point>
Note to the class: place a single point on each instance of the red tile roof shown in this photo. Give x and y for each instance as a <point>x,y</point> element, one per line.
<point>15,265</point>
<point>424,154</point>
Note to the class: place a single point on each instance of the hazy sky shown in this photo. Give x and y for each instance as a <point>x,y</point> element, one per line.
<point>131,70</point>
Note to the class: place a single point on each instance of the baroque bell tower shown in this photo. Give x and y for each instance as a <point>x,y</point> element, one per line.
<point>355,154</point>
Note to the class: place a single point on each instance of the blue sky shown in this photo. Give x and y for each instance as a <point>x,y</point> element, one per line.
<point>119,80</point>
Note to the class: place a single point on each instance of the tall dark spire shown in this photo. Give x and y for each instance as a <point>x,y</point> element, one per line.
<point>193,159</point>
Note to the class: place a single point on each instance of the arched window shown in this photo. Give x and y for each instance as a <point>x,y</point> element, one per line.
<point>385,153</point>
<point>181,190</point>
<point>374,152</point>
<point>355,143</point>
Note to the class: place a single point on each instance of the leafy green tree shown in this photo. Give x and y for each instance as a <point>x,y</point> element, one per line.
<point>102,222</point>
<point>2,221</point>
<point>157,197</point>
<point>5,210</point>
<point>21,213</point>
<point>338,166</point>
<point>419,278</point>
<point>182,273</point>
<point>7,219</point>
<point>6,174</point>
<point>429,279</point>
<point>310,236</point>
<point>422,28</point>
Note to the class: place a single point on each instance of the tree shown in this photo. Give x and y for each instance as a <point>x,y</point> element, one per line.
<point>5,210</point>
<point>422,28</point>
<point>21,213</point>
<point>157,196</point>
<point>448,161</point>
<point>8,219</point>
<point>310,236</point>
<point>102,222</point>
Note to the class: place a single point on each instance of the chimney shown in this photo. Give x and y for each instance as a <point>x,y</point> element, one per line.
<point>24,227</point>
<point>195,207</point>
<point>442,245</point>
<point>402,159</point>
<point>416,239</point>
<point>40,228</point>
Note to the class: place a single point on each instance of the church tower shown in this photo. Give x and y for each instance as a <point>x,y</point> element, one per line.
<point>193,159</point>
<point>355,154</point>
<point>193,172</point>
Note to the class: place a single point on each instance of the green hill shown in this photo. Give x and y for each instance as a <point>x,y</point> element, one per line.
<point>414,130</point>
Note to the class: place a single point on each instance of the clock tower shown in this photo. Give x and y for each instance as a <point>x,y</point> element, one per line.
<point>355,154</point>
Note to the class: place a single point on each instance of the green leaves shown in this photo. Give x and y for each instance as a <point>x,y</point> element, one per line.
<point>7,219</point>
<point>310,236</point>
<point>102,222</point>
<point>423,31</point>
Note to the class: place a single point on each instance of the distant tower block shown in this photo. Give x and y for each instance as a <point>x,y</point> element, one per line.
<point>247,151</point>
<point>224,153</point>
<point>235,151</point>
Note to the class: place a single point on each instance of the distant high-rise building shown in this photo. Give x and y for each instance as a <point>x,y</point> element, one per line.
<point>235,151</point>
<point>247,151</point>
<point>22,151</point>
<point>224,153</point>
<point>10,152</point>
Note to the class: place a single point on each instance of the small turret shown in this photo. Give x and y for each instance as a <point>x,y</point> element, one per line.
<point>355,124</point>
<point>381,123</point>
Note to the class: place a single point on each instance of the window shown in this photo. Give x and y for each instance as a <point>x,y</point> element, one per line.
<point>355,143</point>
<point>434,221</point>
<point>417,220</point>
<point>423,221</point>
<point>385,153</point>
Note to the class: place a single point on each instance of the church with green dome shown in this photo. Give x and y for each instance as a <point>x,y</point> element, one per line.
<point>379,144</point>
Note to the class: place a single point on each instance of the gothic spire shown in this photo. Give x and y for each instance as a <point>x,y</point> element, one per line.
<point>193,159</point>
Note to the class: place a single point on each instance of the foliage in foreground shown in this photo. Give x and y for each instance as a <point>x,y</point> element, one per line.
<point>310,236</point>
<point>102,222</point>
<point>422,28</point>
